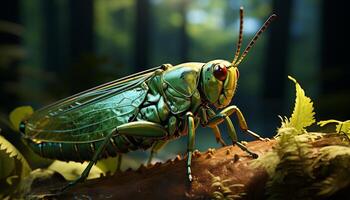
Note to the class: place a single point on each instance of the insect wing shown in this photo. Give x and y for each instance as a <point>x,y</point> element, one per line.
<point>90,115</point>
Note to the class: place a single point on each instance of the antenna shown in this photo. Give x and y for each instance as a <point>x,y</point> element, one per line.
<point>240,37</point>
<point>256,36</point>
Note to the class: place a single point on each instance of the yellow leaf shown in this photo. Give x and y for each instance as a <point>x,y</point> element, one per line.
<point>303,113</point>
<point>10,152</point>
<point>340,127</point>
<point>72,170</point>
<point>344,127</point>
<point>325,122</point>
<point>18,115</point>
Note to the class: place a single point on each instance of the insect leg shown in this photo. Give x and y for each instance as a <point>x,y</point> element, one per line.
<point>224,116</point>
<point>142,129</point>
<point>217,133</point>
<point>219,118</point>
<point>233,136</point>
<point>119,162</point>
<point>232,133</point>
<point>155,148</point>
<point>204,119</point>
<point>190,144</point>
<point>145,129</point>
<point>138,128</point>
<point>96,156</point>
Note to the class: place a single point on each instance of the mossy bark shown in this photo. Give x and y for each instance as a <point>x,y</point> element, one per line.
<point>224,173</point>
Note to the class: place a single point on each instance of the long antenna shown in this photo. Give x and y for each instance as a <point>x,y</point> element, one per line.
<point>240,37</point>
<point>256,36</point>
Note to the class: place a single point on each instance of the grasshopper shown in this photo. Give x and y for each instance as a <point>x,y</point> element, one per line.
<point>142,111</point>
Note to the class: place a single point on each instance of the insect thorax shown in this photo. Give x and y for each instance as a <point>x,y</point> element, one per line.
<point>171,94</point>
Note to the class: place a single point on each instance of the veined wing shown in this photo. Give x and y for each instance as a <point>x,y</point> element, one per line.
<point>91,114</point>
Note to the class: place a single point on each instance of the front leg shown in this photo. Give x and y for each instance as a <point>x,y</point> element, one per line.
<point>219,118</point>
<point>233,136</point>
<point>190,144</point>
<point>204,117</point>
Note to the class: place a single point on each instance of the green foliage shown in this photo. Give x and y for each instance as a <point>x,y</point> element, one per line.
<point>293,168</point>
<point>268,161</point>
<point>333,163</point>
<point>223,191</point>
<point>288,165</point>
<point>303,113</point>
<point>341,127</point>
<point>292,163</point>
<point>13,167</point>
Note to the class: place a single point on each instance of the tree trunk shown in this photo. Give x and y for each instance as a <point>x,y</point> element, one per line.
<point>142,35</point>
<point>9,13</point>
<point>275,67</point>
<point>335,70</point>
<point>222,173</point>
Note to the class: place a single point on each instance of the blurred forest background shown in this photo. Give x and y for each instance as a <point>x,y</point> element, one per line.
<point>53,49</point>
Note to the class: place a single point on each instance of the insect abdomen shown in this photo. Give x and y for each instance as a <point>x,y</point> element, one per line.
<point>82,151</point>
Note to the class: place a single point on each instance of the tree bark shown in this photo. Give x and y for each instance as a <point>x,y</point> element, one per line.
<point>226,170</point>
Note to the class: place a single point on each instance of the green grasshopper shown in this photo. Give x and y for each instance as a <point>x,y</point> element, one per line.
<point>141,111</point>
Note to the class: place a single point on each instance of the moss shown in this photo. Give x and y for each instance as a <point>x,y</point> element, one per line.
<point>293,163</point>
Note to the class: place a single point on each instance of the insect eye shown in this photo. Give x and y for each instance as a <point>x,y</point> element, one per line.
<point>220,72</point>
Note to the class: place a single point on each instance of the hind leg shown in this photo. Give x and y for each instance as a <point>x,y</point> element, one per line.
<point>137,129</point>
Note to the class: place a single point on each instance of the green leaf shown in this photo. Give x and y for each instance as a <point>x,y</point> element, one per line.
<point>341,127</point>
<point>13,167</point>
<point>7,165</point>
<point>12,152</point>
<point>344,127</point>
<point>325,122</point>
<point>268,161</point>
<point>336,159</point>
<point>18,115</point>
<point>303,113</point>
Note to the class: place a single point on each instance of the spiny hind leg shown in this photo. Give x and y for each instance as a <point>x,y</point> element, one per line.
<point>94,159</point>
<point>171,128</point>
<point>136,129</point>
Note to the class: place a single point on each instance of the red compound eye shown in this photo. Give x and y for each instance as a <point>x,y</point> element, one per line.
<point>220,72</point>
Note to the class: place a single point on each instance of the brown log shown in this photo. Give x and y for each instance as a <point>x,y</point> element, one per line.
<point>169,181</point>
